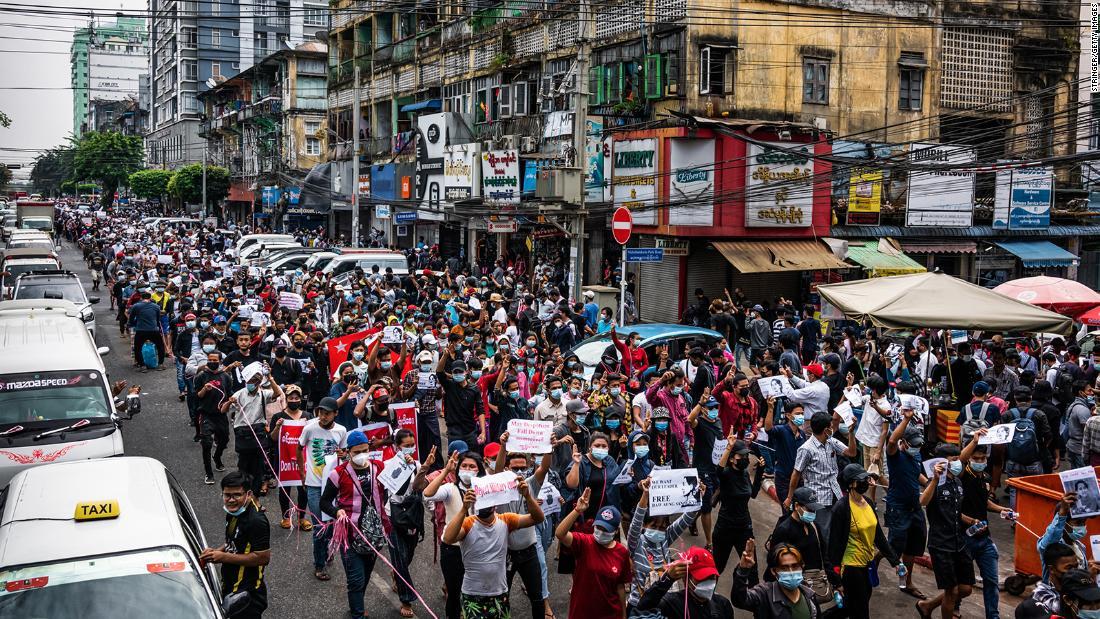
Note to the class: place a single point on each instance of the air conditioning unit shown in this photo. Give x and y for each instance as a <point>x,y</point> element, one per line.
<point>529,144</point>
<point>563,184</point>
<point>508,142</point>
<point>821,123</point>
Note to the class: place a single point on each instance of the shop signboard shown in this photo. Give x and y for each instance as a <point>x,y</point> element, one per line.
<point>780,185</point>
<point>428,177</point>
<point>461,172</point>
<point>940,198</point>
<point>691,172</point>
<point>865,197</point>
<point>1023,198</point>
<point>633,179</point>
<point>500,179</point>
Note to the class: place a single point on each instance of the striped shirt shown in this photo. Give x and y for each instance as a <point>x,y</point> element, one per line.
<point>816,462</point>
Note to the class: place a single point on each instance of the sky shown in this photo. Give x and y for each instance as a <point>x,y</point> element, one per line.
<point>34,52</point>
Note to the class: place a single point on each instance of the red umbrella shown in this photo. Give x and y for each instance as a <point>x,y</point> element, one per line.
<point>1054,293</point>
<point>1090,318</point>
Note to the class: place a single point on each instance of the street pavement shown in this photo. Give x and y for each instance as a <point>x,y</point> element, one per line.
<point>161,431</point>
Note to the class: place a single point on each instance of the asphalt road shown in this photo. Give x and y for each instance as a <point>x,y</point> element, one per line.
<point>161,431</point>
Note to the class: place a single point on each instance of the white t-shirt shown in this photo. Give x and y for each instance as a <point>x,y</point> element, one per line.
<point>869,433</point>
<point>319,444</point>
<point>643,403</point>
<point>451,498</point>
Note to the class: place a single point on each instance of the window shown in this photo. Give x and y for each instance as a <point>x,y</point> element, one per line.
<point>911,87</point>
<point>312,127</point>
<point>715,74</point>
<point>190,70</point>
<point>215,38</point>
<point>815,81</point>
<point>215,7</point>
<point>236,34</point>
<point>314,16</point>
<point>313,146</point>
<point>504,102</point>
<point>216,69</point>
<point>261,42</point>
<point>520,98</point>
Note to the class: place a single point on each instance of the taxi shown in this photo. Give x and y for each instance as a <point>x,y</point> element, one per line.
<point>111,537</point>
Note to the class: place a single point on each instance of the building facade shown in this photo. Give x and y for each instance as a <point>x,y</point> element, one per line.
<point>194,45</point>
<point>106,63</point>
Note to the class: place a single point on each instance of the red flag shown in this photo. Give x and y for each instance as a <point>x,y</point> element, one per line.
<point>339,349</point>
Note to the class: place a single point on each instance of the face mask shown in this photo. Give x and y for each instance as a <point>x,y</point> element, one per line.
<point>252,387</point>
<point>955,467</point>
<point>531,343</point>
<point>614,391</point>
<point>605,318</point>
<point>863,486</point>
<point>280,353</point>
<point>789,580</point>
<point>360,460</point>
<point>978,467</point>
<point>580,419</point>
<point>741,464</point>
<point>294,404</point>
<point>705,590</point>
<point>475,374</point>
<point>555,394</point>
<point>1078,532</point>
<point>357,355</point>
<point>603,537</point>
<point>458,376</point>
<point>235,513</point>
<point>205,324</point>
<point>743,392</point>
<point>514,394</point>
<point>387,365</point>
<point>1091,400</point>
<point>655,536</point>
<point>913,451</point>
<point>466,476</point>
<point>842,428</point>
<point>425,367</point>
<point>408,451</point>
<point>660,425</point>
<point>967,357</point>
<point>213,365</point>
<point>1084,613</point>
<point>190,324</point>
<point>641,451</point>
<point>676,390</point>
<point>209,348</point>
<point>712,413</point>
<point>799,419</point>
<point>599,453</point>
<point>574,392</point>
<point>808,517</point>
<point>608,362</point>
<point>613,424</point>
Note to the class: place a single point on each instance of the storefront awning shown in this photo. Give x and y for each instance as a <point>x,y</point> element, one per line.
<point>939,247</point>
<point>882,258</point>
<point>777,256</point>
<point>1038,253</point>
<point>423,106</point>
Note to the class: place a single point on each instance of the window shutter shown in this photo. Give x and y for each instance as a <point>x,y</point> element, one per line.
<point>654,78</point>
<point>704,71</point>
<point>595,85</point>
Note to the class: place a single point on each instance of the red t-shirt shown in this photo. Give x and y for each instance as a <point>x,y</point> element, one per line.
<point>599,572</point>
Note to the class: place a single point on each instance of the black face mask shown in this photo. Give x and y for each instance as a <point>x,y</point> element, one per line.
<point>280,353</point>
<point>743,392</point>
<point>348,378</point>
<point>863,486</point>
<point>294,404</point>
<point>213,365</point>
<point>486,513</point>
<point>741,465</point>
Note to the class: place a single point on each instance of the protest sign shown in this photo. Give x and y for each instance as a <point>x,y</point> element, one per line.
<point>164,259</point>
<point>1094,542</point>
<point>393,334</point>
<point>854,396</point>
<point>260,319</point>
<point>930,466</point>
<point>395,472</point>
<point>246,311</point>
<point>775,386</point>
<point>674,491</point>
<point>290,474</point>
<point>549,499</point>
<point>291,300</point>
<point>152,275</point>
<point>377,431</point>
<point>998,435</point>
<point>1082,482</point>
<point>529,437</point>
<point>405,414</point>
<point>495,489</point>
<point>718,450</point>
<point>624,476</point>
<point>915,403</point>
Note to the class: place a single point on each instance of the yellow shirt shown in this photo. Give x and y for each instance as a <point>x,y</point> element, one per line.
<point>861,535</point>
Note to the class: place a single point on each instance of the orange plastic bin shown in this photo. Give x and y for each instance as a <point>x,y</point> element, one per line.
<point>1036,497</point>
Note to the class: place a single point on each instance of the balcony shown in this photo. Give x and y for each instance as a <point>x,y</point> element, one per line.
<point>404,51</point>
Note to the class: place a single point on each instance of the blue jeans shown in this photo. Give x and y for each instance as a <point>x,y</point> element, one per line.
<point>984,552</point>
<point>740,350</point>
<point>181,384</point>
<point>320,539</point>
<point>1015,469</point>
<point>357,569</point>
<point>1076,460</point>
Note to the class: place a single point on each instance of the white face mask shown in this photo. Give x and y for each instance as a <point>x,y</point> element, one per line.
<point>705,590</point>
<point>360,460</point>
<point>466,476</point>
<point>603,537</point>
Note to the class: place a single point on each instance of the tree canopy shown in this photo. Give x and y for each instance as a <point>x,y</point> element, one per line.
<point>109,158</point>
<point>186,184</point>
<point>150,183</point>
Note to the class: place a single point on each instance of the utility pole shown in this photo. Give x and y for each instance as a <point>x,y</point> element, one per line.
<point>355,113</point>
<point>204,143</point>
<point>580,142</point>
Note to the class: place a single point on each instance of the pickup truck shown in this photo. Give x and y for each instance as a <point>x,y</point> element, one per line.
<point>34,215</point>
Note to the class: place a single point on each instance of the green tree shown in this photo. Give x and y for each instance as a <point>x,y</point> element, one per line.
<point>5,176</point>
<point>67,187</point>
<point>108,158</point>
<point>150,183</point>
<point>186,184</point>
<point>83,188</point>
<point>51,169</point>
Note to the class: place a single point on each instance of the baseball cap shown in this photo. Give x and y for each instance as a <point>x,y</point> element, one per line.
<point>807,498</point>
<point>758,308</point>
<point>661,412</point>
<point>815,369</point>
<point>608,518</point>
<point>424,356</point>
<point>491,450</point>
<point>356,437</point>
<point>588,294</point>
<point>1079,584</point>
<point>980,388</point>
<point>289,389</point>
<point>458,366</point>
<point>712,402</point>
<point>741,448</point>
<point>576,406</point>
<point>219,320</point>
<point>328,404</point>
<point>854,472</point>
<point>700,564</point>
<point>914,437</point>
<point>458,446</point>
<point>189,316</point>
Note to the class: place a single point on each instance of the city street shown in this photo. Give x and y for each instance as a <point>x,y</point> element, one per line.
<point>161,431</point>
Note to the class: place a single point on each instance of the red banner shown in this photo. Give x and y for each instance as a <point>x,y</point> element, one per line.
<point>405,414</point>
<point>339,349</point>
<point>289,433</point>
<point>379,431</point>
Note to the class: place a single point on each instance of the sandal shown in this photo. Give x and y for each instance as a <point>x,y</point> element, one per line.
<point>321,575</point>
<point>407,611</point>
<point>913,591</point>
<point>923,615</point>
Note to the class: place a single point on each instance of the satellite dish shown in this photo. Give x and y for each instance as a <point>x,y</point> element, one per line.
<point>321,35</point>
<point>288,44</point>
<point>210,83</point>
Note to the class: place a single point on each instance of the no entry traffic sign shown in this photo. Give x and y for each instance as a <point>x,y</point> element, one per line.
<point>621,225</point>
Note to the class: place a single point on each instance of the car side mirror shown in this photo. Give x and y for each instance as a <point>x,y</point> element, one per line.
<point>103,351</point>
<point>57,249</point>
<point>93,300</point>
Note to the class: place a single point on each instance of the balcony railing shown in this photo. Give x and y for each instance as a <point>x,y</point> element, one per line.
<point>404,51</point>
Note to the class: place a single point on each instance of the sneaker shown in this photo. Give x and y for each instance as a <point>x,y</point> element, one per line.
<point>219,467</point>
<point>182,396</point>
<point>285,523</point>
<point>209,481</point>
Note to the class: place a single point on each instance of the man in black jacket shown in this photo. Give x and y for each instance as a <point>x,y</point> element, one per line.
<point>187,342</point>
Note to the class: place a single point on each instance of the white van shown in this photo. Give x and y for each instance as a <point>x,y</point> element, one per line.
<point>103,538</point>
<point>55,400</point>
<point>384,258</point>
<point>269,239</point>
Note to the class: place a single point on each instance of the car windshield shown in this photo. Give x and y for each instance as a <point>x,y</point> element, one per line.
<point>68,290</point>
<point>18,244</point>
<point>30,223</point>
<point>158,583</point>
<point>52,396</point>
<point>15,270</point>
<point>590,350</point>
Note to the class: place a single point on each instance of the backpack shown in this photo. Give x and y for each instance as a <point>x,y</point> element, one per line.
<point>972,424</point>
<point>1024,448</point>
<point>1063,387</point>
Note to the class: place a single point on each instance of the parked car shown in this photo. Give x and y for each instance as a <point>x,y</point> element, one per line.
<point>652,335</point>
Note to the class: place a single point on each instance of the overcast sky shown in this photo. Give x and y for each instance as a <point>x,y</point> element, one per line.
<point>34,52</point>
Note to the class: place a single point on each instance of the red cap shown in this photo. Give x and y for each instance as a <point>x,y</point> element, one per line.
<point>492,449</point>
<point>189,317</point>
<point>700,564</point>
<point>815,369</point>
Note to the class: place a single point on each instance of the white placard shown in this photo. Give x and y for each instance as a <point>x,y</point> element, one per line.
<point>633,181</point>
<point>930,466</point>
<point>718,450</point>
<point>152,275</point>
<point>915,403</point>
<point>395,472</point>
<point>1094,543</point>
<point>691,168</point>
<point>251,370</point>
<point>844,409</point>
<point>1082,481</point>
<point>549,499</point>
<point>393,334</point>
<point>529,437</point>
<point>940,199</point>
<point>290,300</point>
<point>780,188</point>
<point>246,311</point>
<point>254,272</point>
<point>260,319</point>
<point>496,489</point>
<point>164,259</point>
<point>624,476</point>
<point>775,386</point>
<point>674,491</point>
<point>998,435</point>
<point>854,395</point>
